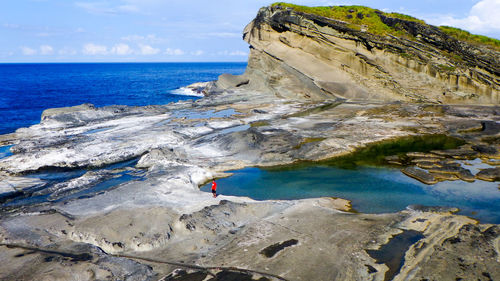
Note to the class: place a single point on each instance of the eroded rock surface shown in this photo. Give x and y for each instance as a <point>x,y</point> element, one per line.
<point>161,216</point>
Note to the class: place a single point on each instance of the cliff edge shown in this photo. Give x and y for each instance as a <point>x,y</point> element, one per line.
<point>306,53</point>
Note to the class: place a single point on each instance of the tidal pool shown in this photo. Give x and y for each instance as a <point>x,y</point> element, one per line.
<point>43,193</point>
<point>371,189</point>
<point>5,151</point>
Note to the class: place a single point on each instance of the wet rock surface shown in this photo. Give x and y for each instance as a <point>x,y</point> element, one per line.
<point>420,175</point>
<point>392,253</point>
<point>272,250</point>
<point>458,267</point>
<point>434,169</point>
<point>492,174</point>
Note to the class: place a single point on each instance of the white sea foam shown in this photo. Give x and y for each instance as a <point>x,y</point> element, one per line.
<point>186,91</point>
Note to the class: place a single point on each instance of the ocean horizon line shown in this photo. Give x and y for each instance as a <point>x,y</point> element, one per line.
<point>135,62</point>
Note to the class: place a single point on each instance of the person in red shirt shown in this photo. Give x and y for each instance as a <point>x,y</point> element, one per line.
<point>214,188</point>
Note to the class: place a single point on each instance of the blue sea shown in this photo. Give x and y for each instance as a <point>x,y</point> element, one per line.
<point>28,89</point>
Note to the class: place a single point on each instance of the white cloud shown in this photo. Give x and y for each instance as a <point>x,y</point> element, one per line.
<point>46,50</point>
<point>238,53</point>
<point>197,53</point>
<point>11,26</point>
<point>174,52</point>
<point>94,49</point>
<point>121,49</point>
<point>67,51</point>
<point>27,51</point>
<point>484,17</point>
<point>232,53</point>
<point>148,39</point>
<point>148,50</point>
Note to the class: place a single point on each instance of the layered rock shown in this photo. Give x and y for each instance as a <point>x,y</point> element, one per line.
<point>305,56</point>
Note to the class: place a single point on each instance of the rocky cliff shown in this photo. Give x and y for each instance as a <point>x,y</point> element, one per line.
<point>302,55</point>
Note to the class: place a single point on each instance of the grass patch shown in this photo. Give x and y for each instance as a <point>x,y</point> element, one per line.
<point>404,17</point>
<point>259,124</point>
<point>407,55</point>
<point>446,68</point>
<point>308,140</point>
<point>388,111</point>
<point>359,17</point>
<point>463,35</point>
<point>374,154</point>
<point>356,17</point>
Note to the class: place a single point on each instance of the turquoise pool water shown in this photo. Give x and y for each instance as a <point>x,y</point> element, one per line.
<point>371,190</point>
<point>5,151</point>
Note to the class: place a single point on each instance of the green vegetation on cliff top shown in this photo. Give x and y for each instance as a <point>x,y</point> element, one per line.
<point>359,17</point>
<point>471,38</point>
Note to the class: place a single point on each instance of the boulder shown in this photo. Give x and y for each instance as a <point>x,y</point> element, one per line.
<point>420,175</point>
<point>48,113</point>
<point>466,175</point>
<point>463,152</point>
<point>394,160</point>
<point>420,155</point>
<point>445,177</point>
<point>456,170</point>
<point>426,164</point>
<point>485,150</point>
<point>226,81</point>
<point>492,174</point>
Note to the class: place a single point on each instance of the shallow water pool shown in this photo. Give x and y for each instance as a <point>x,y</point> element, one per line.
<point>371,190</point>
<point>5,151</point>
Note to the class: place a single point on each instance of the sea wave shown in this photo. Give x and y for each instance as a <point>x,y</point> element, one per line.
<point>186,91</point>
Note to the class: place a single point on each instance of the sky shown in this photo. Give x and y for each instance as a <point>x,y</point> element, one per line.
<point>180,30</point>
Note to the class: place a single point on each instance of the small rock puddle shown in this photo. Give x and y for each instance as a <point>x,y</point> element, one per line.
<point>393,253</point>
<point>115,175</point>
<point>5,151</point>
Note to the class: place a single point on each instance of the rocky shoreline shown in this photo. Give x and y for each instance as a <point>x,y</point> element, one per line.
<point>164,216</point>
<point>158,225</point>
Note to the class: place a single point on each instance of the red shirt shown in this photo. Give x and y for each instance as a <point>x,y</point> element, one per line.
<point>214,185</point>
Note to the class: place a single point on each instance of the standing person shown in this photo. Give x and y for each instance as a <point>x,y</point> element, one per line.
<point>214,188</point>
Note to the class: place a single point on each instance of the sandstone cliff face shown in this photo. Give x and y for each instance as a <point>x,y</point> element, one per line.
<point>305,56</point>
